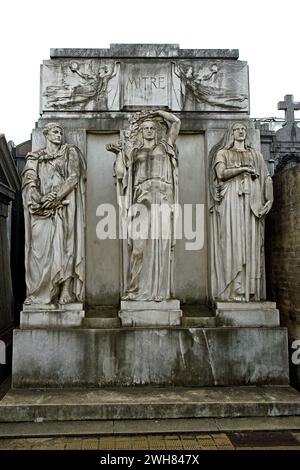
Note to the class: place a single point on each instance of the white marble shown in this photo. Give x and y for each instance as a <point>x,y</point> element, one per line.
<point>150,317</point>
<point>53,184</point>
<point>51,318</point>
<point>241,194</point>
<point>146,171</point>
<point>172,304</point>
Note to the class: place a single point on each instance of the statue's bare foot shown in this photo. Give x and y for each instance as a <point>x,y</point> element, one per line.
<point>129,296</point>
<point>65,298</point>
<point>29,300</point>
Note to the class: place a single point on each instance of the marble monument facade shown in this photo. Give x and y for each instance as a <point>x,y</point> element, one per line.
<point>162,111</point>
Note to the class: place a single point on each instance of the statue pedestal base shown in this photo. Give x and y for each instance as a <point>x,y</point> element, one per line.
<point>148,313</point>
<point>247,314</point>
<point>51,315</point>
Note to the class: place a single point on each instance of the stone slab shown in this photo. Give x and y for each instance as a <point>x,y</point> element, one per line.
<point>134,318</point>
<point>258,423</point>
<point>198,322</point>
<point>247,314</point>
<point>46,307</point>
<point>101,323</point>
<point>135,84</point>
<point>51,319</point>
<point>56,428</point>
<point>146,426</point>
<point>173,304</point>
<point>149,403</point>
<point>159,426</point>
<point>74,357</point>
<point>144,50</point>
<point>245,305</point>
<point>246,318</point>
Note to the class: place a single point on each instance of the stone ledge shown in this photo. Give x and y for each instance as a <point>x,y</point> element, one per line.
<point>46,307</point>
<point>144,51</point>
<point>138,427</point>
<point>150,317</point>
<point>149,403</point>
<point>172,304</point>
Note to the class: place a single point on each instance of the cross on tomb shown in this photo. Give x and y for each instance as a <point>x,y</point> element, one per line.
<point>289,106</point>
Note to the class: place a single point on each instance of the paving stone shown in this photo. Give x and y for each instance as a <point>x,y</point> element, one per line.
<point>73,444</point>
<point>206,442</point>
<point>90,444</point>
<point>107,443</point>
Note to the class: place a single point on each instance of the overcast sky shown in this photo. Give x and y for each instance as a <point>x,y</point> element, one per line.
<point>265,32</point>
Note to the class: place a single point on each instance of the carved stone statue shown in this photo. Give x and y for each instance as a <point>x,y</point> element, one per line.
<point>53,198</point>
<point>241,195</point>
<point>146,171</point>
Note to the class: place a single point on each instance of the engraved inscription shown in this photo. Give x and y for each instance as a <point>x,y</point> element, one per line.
<point>146,84</point>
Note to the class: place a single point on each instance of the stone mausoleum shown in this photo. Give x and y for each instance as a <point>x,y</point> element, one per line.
<point>145,197</point>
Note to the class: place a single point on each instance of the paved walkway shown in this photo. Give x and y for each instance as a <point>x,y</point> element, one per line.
<point>256,433</point>
<point>213,441</point>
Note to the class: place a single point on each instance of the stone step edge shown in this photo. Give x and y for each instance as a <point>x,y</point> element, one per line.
<point>148,426</point>
<point>118,411</point>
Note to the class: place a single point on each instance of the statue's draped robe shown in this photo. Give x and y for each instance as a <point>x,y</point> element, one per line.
<point>237,231</point>
<point>150,178</point>
<point>54,238</point>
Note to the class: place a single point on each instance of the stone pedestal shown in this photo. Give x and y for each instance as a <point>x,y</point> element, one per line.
<point>139,313</point>
<point>158,356</point>
<point>51,315</point>
<point>247,314</point>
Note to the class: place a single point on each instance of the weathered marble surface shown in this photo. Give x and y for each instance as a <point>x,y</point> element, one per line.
<point>146,172</point>
<point>53,184</point>
<point>241,194</point>
<point>52,315</point>
<point>145,50</point>
<point>77,85</point>
<point>153,356</point>
<point>247,314</point>
<point>211,85</point>
<point>85,84</point>
<point>152,403</point>
<point>103,285</point>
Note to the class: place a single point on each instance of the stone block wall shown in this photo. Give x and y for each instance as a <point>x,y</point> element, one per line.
<point>283,254</point>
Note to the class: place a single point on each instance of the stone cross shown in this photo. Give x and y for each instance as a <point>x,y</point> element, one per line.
<point>289,107</point>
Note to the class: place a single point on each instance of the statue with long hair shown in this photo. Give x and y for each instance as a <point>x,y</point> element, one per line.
<point>241,195</point>
<point>53,183</point>
<point>146,171</point>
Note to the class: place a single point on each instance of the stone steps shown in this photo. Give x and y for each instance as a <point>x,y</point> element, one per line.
<point>148,403</point>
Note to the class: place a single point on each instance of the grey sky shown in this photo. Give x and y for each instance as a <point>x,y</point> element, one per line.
<point>265,32</point>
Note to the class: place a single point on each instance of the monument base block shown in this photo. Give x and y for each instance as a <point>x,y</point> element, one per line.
<point>158,356</point>
<point>150,313</point>
<point>247,314</point>
<point>51,315</point>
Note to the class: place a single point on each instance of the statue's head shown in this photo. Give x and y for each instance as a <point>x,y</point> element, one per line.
<point>149,129</point>
<point>53,132</point>
<point>236,132</point>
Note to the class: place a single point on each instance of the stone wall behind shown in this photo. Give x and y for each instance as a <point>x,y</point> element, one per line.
<point>283,254</point>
